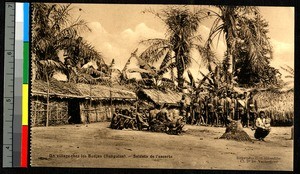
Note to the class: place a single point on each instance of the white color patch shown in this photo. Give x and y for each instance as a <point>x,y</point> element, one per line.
<point>19,12</point>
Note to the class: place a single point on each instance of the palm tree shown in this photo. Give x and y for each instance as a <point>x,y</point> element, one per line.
<point>226,23</point>
<point>52,31</point>
<point>182,25</point>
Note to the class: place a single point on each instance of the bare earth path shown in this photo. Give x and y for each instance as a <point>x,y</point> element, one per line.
<point>98,146</point>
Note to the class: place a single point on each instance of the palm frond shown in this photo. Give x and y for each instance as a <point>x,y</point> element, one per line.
<point>52,64</point>
<point>156,50</point>
<point>155,41</point>
<point>166,68</point>
<point>289,70</point>
<point>92,71</point>
<point>208,56</point>
<point>166,59</point>
<point>192,81</point>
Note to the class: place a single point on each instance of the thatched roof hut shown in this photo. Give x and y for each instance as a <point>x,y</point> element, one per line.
<point>76,103</point>
<point>160,97</point>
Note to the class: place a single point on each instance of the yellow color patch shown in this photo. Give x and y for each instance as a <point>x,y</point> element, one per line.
<point>25,104</point>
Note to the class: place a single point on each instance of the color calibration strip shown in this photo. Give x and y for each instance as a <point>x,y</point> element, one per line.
<point>15,89</point>
<point>24,145</point>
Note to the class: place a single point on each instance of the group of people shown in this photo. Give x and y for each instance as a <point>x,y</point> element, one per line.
<point>214,109</point>
<point>220,109</point>
<point>157,119</point>
<point>217,109</point>
<point>123,118</point>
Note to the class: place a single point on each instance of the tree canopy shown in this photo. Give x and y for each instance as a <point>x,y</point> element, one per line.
<point>54,31</point>
<point>247,58</point>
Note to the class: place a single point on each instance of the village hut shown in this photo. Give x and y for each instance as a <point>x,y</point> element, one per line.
<point>278,104</point>
<point>101,101</point>
<point>62,97</point>
<point>73,103</point>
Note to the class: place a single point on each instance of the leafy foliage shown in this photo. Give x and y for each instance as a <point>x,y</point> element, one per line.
<point>182,25</point>
<point>254,52</point>
<point>52,31</point>
<point>249,51</point>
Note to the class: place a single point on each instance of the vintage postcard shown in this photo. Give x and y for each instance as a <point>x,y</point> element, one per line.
<point>162,86</point>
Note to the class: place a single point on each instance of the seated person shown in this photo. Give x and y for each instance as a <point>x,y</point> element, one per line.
<point>115,120</point>
<point>153,112</point>
<point>163,115</point>
<point>261,130</point>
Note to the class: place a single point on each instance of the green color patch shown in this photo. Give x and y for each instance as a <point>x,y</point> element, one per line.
<point>25,62</point>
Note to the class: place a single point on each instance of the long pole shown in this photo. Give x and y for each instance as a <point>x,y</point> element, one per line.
<point>90,104</point>
<point>90,96</point>
<point>110,96</point>
<point>48,102</point>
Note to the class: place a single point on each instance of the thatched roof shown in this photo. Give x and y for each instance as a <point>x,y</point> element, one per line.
<point>160,97</point>
<point>56,88</point>
<point>71,90</point>
<point>104,92</point>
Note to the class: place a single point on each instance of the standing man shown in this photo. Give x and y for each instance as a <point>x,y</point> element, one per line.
<point>211,110</point>
<point>221,109</point>
<point>228,108</point>
<point>215,99</point>
<point>202,106</point>
<point>205,110</point>
<point>196,108</point>
<point>242,107</point>
<point>233,107</point>
<point>183,104</point>
<point>251,109</point>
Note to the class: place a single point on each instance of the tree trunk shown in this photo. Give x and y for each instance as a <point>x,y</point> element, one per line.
<point>180,72</point>
<point>230,42</point>
<point>172,72</point>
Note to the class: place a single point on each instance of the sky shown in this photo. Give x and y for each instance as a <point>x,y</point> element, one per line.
<point>118,29</point>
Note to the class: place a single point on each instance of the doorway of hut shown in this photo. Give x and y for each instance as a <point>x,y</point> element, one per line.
<point>74,111</point>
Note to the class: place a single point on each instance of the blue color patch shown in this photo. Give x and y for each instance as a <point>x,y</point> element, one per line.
<point>26,22</point>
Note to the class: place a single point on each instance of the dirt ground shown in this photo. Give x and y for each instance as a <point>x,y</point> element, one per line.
<point>98,146</point>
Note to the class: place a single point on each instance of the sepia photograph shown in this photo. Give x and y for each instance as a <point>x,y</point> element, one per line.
<point>162,86</point>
